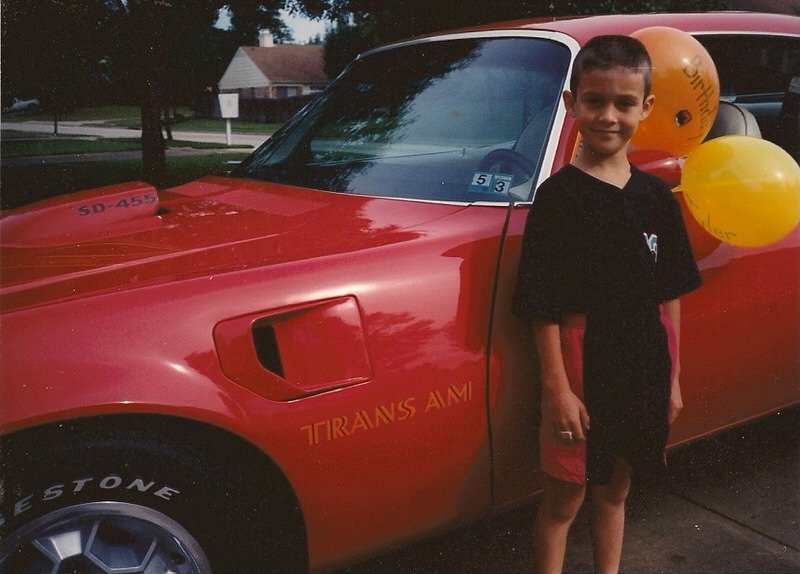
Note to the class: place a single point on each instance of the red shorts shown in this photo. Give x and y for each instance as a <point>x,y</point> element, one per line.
<point>567,460</point>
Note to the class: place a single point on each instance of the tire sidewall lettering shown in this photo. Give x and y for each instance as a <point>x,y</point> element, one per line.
<point>106,460</point>
<point>99,488</point>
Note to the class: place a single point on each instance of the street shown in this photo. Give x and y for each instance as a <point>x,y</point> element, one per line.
<point>731,506</point>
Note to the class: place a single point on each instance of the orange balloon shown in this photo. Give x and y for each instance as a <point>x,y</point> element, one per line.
<point>686,87</point>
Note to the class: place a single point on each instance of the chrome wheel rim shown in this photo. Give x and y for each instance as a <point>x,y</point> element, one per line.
<point>103,538</point>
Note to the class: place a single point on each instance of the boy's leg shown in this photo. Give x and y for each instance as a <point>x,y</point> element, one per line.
<point>608,518</point>
<point>557,510</point>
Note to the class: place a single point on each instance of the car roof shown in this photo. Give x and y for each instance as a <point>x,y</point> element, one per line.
<point>585,27</point>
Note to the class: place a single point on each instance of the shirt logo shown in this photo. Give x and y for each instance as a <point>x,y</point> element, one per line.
<point>652,244</point>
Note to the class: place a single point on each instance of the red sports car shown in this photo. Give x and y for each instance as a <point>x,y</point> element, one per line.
<point>314,358</point>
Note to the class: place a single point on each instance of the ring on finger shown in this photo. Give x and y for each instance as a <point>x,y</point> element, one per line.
<point>565,435</point>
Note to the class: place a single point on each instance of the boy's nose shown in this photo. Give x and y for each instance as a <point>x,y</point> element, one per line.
<point>608,114</point>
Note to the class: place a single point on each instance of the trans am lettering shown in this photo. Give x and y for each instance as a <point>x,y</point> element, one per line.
<point>453,395</point>
<point>343,426</point>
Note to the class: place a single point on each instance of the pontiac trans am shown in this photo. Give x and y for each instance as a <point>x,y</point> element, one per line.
<point>313,359</point>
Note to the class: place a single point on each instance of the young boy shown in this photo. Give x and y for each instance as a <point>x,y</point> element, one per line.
<point>605,257</point>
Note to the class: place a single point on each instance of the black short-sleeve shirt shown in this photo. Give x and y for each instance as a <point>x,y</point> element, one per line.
<point>613,255</point>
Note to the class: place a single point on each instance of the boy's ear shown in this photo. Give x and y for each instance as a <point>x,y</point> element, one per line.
<point>569,101</point>
<point>647,106</point>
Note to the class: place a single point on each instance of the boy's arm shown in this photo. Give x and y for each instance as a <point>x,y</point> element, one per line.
<point>562,410</point>
<point>672,309</point>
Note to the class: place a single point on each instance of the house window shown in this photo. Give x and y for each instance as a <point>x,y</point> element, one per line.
<point>287,91</point>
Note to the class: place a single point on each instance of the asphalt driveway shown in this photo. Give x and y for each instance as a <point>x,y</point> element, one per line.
<point>732,505</point>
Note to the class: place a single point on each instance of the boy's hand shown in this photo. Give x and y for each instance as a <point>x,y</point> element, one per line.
<point>675,400</point>
<point>564,412</point>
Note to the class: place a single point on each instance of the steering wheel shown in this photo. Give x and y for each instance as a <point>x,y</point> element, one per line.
<point>502,161</point>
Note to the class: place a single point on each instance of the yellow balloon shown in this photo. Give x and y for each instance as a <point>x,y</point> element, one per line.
<point>743,190</point>
<point>686,87</point>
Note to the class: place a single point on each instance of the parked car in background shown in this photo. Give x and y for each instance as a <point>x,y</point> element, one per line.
<point>314,359</point>
<point>18,105</point>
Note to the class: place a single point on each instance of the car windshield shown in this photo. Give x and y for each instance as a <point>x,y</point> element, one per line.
<point>458,120</point>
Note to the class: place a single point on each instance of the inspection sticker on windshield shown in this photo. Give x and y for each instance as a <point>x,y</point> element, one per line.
<point>490,182</point>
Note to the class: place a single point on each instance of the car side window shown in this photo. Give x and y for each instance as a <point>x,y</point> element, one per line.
<point>761,73</point>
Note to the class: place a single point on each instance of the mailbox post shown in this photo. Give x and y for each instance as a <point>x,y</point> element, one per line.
<point>229,108</point>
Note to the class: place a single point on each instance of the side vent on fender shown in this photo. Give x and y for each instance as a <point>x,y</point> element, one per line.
<point>266,343</point>
<point>298,351</point>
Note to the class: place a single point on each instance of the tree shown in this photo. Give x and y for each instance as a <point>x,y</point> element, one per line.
<point>155,39</point>
<point>150,40</point>
<point>156,51</point>
<point>248,17</point>
<point>161,51</point>
<point>52,50</point>
<point>361,24</point>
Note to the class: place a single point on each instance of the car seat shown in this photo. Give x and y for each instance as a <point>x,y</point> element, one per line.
<point>733,120</point>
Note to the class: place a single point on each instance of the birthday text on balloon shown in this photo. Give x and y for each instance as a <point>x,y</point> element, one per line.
<point>705,94</point>
<point>705,220</point>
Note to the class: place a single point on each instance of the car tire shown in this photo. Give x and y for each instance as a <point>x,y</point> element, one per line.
<point>130,501</point>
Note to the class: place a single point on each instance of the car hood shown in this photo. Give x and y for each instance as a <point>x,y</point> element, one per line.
<point>123,236</point>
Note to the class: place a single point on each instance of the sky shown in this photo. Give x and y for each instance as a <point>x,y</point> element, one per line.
<point>302,28</point>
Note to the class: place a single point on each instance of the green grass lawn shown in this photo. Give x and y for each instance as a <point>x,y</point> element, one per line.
<point>218,125</point>
<point>24,184</point>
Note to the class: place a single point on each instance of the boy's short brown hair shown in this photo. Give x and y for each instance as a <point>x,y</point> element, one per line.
<point>606,52</point>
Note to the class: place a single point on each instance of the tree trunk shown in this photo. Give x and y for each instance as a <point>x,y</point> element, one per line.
<point>153,148</point>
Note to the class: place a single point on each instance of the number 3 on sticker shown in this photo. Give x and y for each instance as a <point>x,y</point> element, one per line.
<point>490,182</point>
<point>501,183</point>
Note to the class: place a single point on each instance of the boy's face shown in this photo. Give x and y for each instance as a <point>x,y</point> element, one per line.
<point>608,106</point>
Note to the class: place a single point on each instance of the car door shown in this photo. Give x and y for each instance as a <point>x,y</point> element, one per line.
<point>740,332</point>
<point>741,340</point>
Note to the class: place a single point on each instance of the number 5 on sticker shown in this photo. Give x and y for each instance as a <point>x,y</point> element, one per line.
<point>481,182</point>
